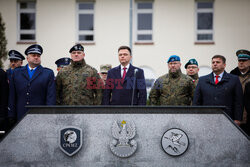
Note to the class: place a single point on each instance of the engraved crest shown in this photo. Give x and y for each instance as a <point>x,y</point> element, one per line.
<point>174,142</point>
<point>123,145</point>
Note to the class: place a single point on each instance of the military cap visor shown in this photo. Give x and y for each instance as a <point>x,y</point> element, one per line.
<point>77,47</point>
<point>243,54</point>
<point>15,55</point>
<point>174,58</point>
<point>105,68</point>
<point>191,62</point>
<point>34,49</point>
<point>63,62</point>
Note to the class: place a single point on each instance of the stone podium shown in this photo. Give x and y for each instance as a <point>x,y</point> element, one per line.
<point>213,138</point>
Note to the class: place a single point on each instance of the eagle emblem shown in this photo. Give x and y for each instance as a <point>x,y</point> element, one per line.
<point>123,144</point>
<point>174,142</point>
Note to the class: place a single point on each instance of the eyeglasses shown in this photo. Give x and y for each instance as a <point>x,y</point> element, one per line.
<point>192,67</point>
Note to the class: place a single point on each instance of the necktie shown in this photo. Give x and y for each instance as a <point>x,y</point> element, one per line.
<point>216,80</point>
<point>124,73</point>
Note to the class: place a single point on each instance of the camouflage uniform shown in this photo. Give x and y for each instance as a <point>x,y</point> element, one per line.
<point>195,79</point>
<point>172,89</point>
<point>72,85</point>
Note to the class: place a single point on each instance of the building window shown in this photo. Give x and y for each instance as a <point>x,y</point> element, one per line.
<point>144,22</point>
<point>204,21</point>
<point>26,21</point>
<point>85,22</point>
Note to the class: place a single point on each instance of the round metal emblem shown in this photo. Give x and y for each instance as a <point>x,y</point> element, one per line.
<point>174,142</point>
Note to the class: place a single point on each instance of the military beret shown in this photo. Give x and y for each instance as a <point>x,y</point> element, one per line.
<point>35,49</point>
<point>13,54</point>
<point>243,54</point>
<point>174,58</point>
<point>105,68</point>
<point>191,61</point>
<point>77,47</point>
<point>63,62</point>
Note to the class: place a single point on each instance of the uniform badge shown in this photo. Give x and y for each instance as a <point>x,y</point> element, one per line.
<point>174,142</point>
<point>70,140</point>
<point>123,145</point>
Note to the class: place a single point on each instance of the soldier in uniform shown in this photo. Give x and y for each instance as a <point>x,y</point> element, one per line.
<point>78,83</point>
<point>192,70</point>
<point>243,72</point>
<point>62,62</point>
<point>174,88</point>
<point>104,71</point>
<point>16,60</point>
<point>32,84</point>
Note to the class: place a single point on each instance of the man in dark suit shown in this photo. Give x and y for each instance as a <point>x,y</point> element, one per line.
<point>16,60</point>
<point>220,88</point>
<point>31,85</point>
<point>4,87</point>
<point>125,83</point>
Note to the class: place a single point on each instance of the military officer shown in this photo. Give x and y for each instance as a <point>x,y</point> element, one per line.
<point>192,70</point>
<point>32,84</point>
<point>16,60</point>
<point>243,72</point>
<point>104,68</point>
<point>174,88</point>
<point>78,83</point>
<point>62,62</point>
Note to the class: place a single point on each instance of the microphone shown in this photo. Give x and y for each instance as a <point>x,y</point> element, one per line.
<point>135,71</point>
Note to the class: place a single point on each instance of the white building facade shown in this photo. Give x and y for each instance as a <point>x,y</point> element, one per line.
<point>196,29</point>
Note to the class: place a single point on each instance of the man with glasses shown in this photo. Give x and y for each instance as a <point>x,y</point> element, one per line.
<point>192,70</point>
<point>174,88</point>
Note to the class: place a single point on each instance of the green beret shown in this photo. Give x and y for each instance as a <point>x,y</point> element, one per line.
<point>190,62</point>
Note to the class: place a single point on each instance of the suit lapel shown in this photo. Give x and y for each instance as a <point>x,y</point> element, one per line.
<point>118,72</point>
<point>225,77</point>
<point>210,79</point>
<point>25,72</point>
<point>37,73</point>
<point>130,72</point>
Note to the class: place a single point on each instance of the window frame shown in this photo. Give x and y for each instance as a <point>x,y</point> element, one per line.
<point>205,31</point>
<point>85,32</point>
<point>143,32</point>
<point>25,31</point>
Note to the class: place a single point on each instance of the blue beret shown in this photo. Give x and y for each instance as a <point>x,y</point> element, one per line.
<point>243,54</point>
<point>35,49</point>
<point>174,58</point>
<point>191,61</point>
<point>13,54</point>
<point>77,47</point>
<point>63,62</point>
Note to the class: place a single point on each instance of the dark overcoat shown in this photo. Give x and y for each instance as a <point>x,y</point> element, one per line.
<point>9,73</point>
<point>228,92</point>
<point>39,90</point>
<point>120,93</point>
<point>4,88</point>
